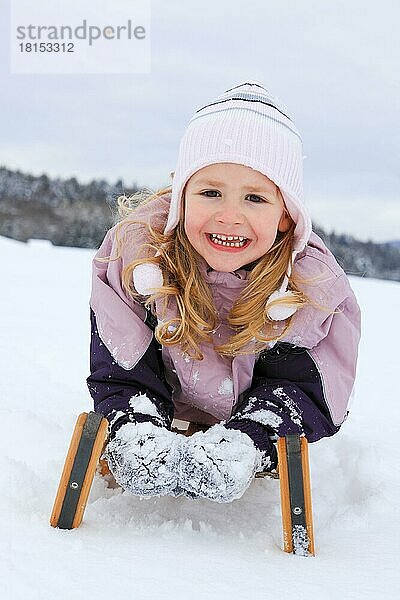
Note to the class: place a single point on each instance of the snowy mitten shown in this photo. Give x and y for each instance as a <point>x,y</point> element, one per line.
<point>218,464</point>
<point>144,459</point>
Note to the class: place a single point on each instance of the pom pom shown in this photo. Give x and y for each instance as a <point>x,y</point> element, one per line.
<point>282,312</point>
<point>145,277</point>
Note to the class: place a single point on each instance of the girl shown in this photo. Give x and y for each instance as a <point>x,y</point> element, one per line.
<point>214,302</point>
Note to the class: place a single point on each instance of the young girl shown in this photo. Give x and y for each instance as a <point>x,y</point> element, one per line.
<point>214,302</point>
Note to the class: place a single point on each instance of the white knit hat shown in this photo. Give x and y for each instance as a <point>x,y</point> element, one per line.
<point>246,126</point>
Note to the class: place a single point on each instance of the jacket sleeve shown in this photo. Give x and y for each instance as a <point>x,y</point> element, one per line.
<point>126,378</point>
<point>286,395</point>
<point>307,389</point>
<point>128,395</point>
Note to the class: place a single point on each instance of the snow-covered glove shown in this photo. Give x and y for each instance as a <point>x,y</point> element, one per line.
<point>144,459</point>
<point>218,464</point>
<point>262,439</point>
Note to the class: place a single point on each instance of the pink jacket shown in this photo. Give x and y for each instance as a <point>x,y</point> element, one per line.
<point>206,391</point>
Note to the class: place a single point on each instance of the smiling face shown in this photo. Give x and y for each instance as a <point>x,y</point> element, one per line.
<point>241,206</point>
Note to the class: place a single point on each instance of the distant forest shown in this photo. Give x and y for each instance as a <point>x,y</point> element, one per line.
<point>70,213</point>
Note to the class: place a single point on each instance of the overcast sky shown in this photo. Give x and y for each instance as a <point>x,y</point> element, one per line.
<point>334,65</point>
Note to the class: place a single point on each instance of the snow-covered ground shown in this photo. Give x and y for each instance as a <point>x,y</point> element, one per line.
<point>129,547</point>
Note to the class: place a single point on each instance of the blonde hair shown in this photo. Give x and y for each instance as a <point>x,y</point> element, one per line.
<point>196,321</point>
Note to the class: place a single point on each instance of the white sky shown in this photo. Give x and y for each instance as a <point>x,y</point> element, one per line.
<point>334,65</point>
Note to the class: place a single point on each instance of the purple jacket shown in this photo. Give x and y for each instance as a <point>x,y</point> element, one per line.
<point>125,356</point>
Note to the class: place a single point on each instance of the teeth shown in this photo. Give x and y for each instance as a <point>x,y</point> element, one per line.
<point>219,236</point>
<point>223,240</point>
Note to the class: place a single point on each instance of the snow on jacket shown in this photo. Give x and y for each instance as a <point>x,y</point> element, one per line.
<point>125,357</point>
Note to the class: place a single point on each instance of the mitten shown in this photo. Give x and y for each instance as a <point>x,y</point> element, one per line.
<point>218,464</point>
<point>144,459</point>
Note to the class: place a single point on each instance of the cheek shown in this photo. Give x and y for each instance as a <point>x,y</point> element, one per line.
<point>191,229</point>
<point>266,231</point>
<point>194,221</point>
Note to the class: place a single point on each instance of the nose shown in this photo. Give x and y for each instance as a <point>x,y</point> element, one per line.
<point>229,213</point>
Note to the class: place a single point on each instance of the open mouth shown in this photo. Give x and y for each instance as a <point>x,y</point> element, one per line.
<point>228,241</point>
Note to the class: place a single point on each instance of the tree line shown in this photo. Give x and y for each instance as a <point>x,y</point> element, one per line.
<point>69,213</point>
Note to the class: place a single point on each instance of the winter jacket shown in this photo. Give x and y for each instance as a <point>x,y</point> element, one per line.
<point>313,364</point>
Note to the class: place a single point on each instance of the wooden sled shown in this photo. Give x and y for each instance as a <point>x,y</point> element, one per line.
<point>84,459</point>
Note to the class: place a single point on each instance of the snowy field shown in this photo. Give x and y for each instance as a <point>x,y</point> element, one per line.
<point>129,547</point>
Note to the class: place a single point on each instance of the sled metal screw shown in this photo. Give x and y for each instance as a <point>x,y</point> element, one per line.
<point>297,510</point>
<point>74,485</point>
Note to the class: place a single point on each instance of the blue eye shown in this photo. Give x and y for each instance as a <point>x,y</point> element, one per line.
<point>210,192</point>
<point>259,199</point>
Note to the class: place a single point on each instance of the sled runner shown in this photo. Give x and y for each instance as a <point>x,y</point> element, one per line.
<point>87,443</point>
<point>84,459</point>
<point>295,488</point>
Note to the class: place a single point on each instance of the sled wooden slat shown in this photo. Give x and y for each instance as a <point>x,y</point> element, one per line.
<point>94,448</point>
<point>69,461</point>
<point>285,492</point>
<point>307,493</point>
<point>103,468</point>
<point>285,497</point>
<point>94,459</point>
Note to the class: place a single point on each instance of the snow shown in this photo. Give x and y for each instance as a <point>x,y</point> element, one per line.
<point>226,387</point>
<point>142,404</point>
<point>300,540</point>
<point>117,415</point>
<point>147,277</point>
<point>219,464</point>
<point>264,416</point>
<point>144,459</point>
<point>294,411</point>
<point>162,548</point>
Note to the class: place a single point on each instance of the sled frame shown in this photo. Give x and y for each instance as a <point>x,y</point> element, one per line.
<point>83,459</point>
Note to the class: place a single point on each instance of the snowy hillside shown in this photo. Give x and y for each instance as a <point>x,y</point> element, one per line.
<point>178,548</point>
